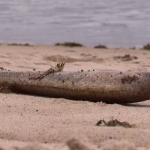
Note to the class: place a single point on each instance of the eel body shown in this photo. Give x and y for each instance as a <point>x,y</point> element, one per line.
<point>95,86</point>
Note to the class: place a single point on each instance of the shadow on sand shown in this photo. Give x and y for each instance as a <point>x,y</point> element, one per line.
<point>137,105</point>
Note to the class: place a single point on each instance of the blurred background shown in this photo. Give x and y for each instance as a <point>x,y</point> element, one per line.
<point>118,23</point>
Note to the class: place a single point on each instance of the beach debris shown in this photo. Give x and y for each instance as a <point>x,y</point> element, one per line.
<point>126,57</point>
<point>129,79</point>
<point>1,68</point>
<point>101,46</point>
<point>59,67</point>
<point>113,123</point>
<point>105,86</point>
<point>69,44</point>
<point>146,47</point>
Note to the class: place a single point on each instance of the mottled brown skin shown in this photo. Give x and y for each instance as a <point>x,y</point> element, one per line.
<point>95,86</point>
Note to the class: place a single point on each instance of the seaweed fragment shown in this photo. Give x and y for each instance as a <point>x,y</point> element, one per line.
<point>59,67</point>
<point>126,57</point>
<point>1,68</point>
<point>146,47</point>
<point>16,44</point>
<point>101,46</point>
<point>69,44</point>
<point>114,123</point>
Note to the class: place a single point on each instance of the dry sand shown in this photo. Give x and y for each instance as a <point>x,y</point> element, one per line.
<point>32,122</point>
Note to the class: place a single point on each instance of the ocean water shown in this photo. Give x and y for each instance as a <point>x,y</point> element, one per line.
<point>115,23</point>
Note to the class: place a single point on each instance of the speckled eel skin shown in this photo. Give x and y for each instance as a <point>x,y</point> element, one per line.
<point>95,86</point>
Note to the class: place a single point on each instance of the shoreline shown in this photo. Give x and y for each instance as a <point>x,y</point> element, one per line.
<point>74,44</point>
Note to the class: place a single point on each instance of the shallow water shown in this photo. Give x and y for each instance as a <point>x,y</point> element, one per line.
<point>118,23</point>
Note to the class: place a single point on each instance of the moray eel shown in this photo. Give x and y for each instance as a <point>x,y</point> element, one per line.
<point>95,86</point>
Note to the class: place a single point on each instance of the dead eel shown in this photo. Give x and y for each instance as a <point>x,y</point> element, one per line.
<point>95,86</point>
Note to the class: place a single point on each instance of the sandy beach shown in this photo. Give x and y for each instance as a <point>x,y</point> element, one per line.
<point>42,123</point>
